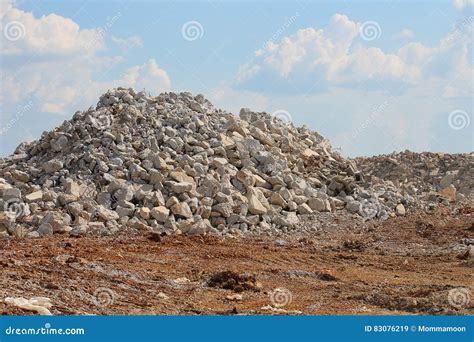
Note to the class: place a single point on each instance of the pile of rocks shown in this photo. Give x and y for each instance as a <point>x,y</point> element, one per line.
<point>423,175</point>
<point>380,186</point>
<point>166,163</point>
<point>173,163</point>
<point>350,189</point>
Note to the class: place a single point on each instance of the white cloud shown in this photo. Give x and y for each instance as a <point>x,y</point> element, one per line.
<point>147,76</point>
<point>324,49</point>
<point>461,4</point>
<point>78,88</point>
<point>51,35</point>
<point>5,6</point>
<point>324,56</point>
<point>403,34</point>
<point>366,64</point>
<point>342,80</point>
<point>355,95</point>
<point>66,78</point>
<point>128,43</point>
<point>312,60</point>
<point>49,65</point>
<point>247,71</point>
<point>415,53</point>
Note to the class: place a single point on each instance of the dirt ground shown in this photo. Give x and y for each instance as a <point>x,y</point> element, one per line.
<point>405,265</point>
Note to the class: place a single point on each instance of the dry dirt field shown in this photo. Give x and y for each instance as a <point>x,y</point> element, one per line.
<point>405,265</point>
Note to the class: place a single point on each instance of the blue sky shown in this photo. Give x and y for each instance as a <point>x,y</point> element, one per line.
<point>373,77</point>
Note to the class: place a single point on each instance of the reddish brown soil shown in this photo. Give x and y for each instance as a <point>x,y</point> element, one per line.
<point>405,265</point>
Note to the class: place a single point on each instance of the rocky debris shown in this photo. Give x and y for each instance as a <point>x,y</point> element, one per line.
<point>380,186</point>
<point>229,280</point>
<point>34,196</point>
<point>470,258</point>
<point>319,204</point>
<point>52,166</point>
<point>6,224</point>
<point>9,193</point>
<point>353,206</point>
<point>421,174</point>
<point>449,193</point>
<point>400,210</point>
<point>182,281</point>
<point>154,236</point>
<point>181,210</point>
<point>106,214</point>
<point>235,297</point>
<point>162,295</point>
<point>160,213</point>
<point>280,311</point>
<point>45,229</point>
<point>175,164</point>
<point>41,305</point>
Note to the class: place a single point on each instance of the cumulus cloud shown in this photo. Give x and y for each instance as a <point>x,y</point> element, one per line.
<point>322,50</point>
<point>462,4</point>
<point>68,76</point>
<point>356,94</point>
<point>52,34</point>
<point>128,43</point>
<point>312,60</point>
<point>403,34</point>
<point>63,93</point>
<point>56,65</point>
<point>148,76</point>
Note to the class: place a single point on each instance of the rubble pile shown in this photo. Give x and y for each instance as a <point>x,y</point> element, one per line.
<point>166,163</point>
<point>424,175</point>
<point>175,164</point>
<point>350,189</point>
<point>380,186</point>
